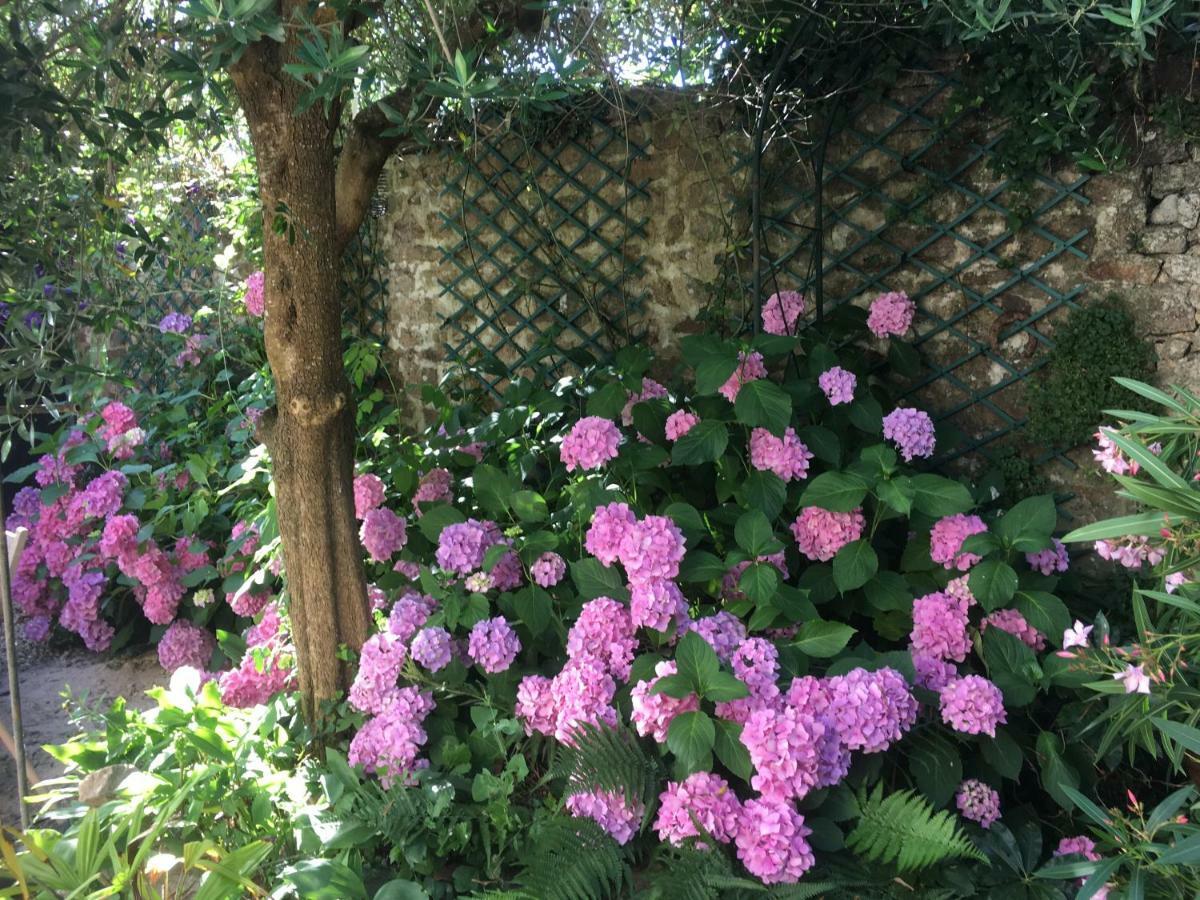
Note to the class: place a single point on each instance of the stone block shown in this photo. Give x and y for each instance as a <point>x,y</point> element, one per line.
<point>1164,309</point>
<point>1184,269</point>
<point>1175,178</point>
<point>1177,209</point>
<point>1161,239</point>
<point>1127,268</point>
<point>1175,348</point>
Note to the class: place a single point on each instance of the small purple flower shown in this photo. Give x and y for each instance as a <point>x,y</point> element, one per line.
<point>175,323</point>
<point>838,385</point>
<point>493,645</point>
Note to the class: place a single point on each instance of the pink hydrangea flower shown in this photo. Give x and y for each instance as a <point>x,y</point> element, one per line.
<point>702,798</point>
<point>891,314</point>
<point>120,430</point>
<point>978,802</point>
<point>653,713</point>
<point>932,672</point>
<point>1054,559</point>
<point>185,644</point>
<point>946,540</point>
<point>1078,845</point>
<point>434,487</point>
<point>368,494</point>
<point>548,570</point>
<point>383,534</point>
<point>820,534</point>
<point>610,525</point>
<point>771,842</point>
<point>463,545</point>
<point>871,710</point>
<point>254,298</point>
<point>783,746</point>
<point>911,430</point>
<point>493,644</point>
<point>247,601</point>
<point>591,442</point>
<point>782,311</point>
<point>536,707</point>
<point>838,385</point>
<point>653,604</point>
<point>410,614</point>
<point>651,390</point>
<point>1014,623</point>
<point>651,550</point>
<point>583,694</point>
<point>750,368</point>
<point>388,744</point>
<point>680,423</point>
<point>973,705</point>
<point>610,810</point>
<point>604,631</point>
<point>379,664</point>
<point>269,628</point>
<point>723,631</point>
<point>787,457</point>
<point>432,648</point>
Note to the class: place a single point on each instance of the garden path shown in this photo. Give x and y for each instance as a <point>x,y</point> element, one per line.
<point>93,681</point>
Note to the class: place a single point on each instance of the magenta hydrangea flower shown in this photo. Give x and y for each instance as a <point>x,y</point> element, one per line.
<point>891,314</point>
<point>820,534</point>
<point>653,713</point>
<point>120,430</point>
<point>871,710</point>
<point>185,644</point>
<point>771,842</point>
<point>379,664</point>
<point>463,545</point>
<point>258,677</point>
<point>248,602</point>
<point>702,798</point>
<point>493,644</point>
<point>536,707</point>
<point>434,487</point>
<point>268,629</point>
<point>383,534</point>
<point>548,570</point>
<point>680,423</point>
<point>750,368</point>
<point>1078,845</point>
<point>978,802</point>
<point>1051,560</point>
<point>653,604</point>
<point>911,430</point>
<point>756,664</point>
<point>254,298</point>
<point>610,810</point>
<point>1014,623</point>
<point>946,540</point>
<point>432,648</point>
<point>973,705</point>
<point>651,390</point>
<point>724,632</point>
<point>783,746</point>
<point>604,631</point>
<point>787,457</point>
<point>610,525</point>
<point>583,694</point>
<point>651,550</point>
<point>932,672</point>
<point>940,627</point>
<point>838,385</point>
<point>782,311</point>
<point>388,744</point>
<point>102,497</point>
<point>591,442</point>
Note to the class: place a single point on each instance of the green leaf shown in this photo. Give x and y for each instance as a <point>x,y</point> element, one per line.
<point>1012,666</point>
<point>822,442</point>
<point>937,496</point>
<point>759,582</point>
<point>731,751</point>
<point>678,686</point>
<point>691,737</point>
<point>835,491</point>
<point>712,358</point>
<point>897,493</point>
<point>608,402</point>
<point>1003,754</point>
<point>697,661</point>
<point>822,639</point>
<point>324,879</point>
<point>993,582</point>
<point>703,444</point>
<point>534,607</point>
<point>763,403</point>
<point>935,766</point>
<point>1145,524</point>
<point>492,488</point>
<point>754,534</point>
<point>1045,612</point>
<point>399,889</point>
<point>765,491</point>
<point>530,506</point>
<point>1184,735</point>
<point>701,566</point>
<point>725,687</point>
<point>593,580</point>
<point>854,565</point>
<point>1028,525</point>
<point>435,518</point>
<point>889,592</point>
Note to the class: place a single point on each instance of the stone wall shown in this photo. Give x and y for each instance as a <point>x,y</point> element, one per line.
<point>995,266</point>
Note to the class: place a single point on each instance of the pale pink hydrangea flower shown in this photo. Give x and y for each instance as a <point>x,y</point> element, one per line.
<point>591,442</point>
<point>479,582</point>
<point>254,298</point>
<point>838,385</point>
<point>605,632</point>
<point>911,430</point>
<point>462,546</point>
<point>680,423</point>
<point>787,457</point>
<point>379,664</point>
<point>750,368</point>
<point>946,540</point>
<point>548,570</point>
<point>493,644</point>
<point>978,802</point>
<point>702,798</point>
<point>383,534</point>
<point>185,644</point>
<point>973,705</point>
<point>536,707</point>
<point>871,710</point>
<point>610,810</point>
<point>1014,623</point>
<point>653,604</point>
<point>432,648</point>
<point>610,525</point>
<point>891,314</point>
<point>783,746</point>
<point>820,534</point>
<point>782,311</point>
<point>1051,560</point>
<point>434,487</point>
<point>583,694</point>
<point>368,494</point>
<point>771,842</point>
<point>652,712</point>
<point>388,744</point>
<point>651,550</point>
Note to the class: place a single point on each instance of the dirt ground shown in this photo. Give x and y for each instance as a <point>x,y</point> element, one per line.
<point>45,673</point>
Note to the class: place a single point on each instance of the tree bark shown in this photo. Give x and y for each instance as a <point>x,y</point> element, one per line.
<point>310,433</point>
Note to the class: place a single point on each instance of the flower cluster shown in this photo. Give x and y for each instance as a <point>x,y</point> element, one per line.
<point>787,457</point>
<point>891,314</point>
<point>680,423</point>
<point>978,802</point>
<point>750,367</point>
<point>781,313</point>
<point>254,298</point>
<point>837,385</point>
<point>973,705</point>
<point>820,534</point>
<point>591,442</point>
<point>946,540</point>
<point>911,430</point>
<point>1053,559</point>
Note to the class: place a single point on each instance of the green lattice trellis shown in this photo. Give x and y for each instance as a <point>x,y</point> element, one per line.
<point>909,203</point>
<point>541,251</point>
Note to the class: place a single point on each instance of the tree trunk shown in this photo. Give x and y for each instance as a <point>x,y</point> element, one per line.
<point>310,433</point>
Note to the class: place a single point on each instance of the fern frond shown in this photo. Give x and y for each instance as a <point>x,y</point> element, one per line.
<point>684,873</point>
<point>395,815</point>
<point>806,891</point>
<point>903,828</point>
<point>608,759</point>
<point>573,859</point>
